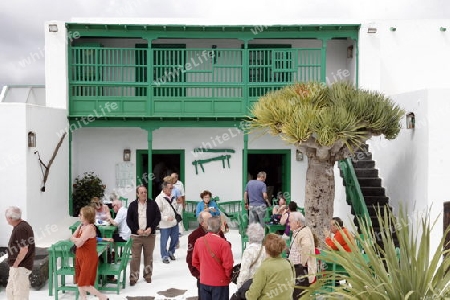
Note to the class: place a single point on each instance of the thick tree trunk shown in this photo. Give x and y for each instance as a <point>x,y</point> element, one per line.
<point>319,198</point>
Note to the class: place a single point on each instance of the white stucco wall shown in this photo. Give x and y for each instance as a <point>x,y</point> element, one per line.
<point>56,84</point>
<point>413,57</point>
<point>47,209</point>
<point>99,149</point>
<point>13,150</point>
<point>20,172</point>
<point>414,166</point>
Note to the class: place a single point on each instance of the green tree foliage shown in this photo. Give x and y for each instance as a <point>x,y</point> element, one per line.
<point>86,187</point>
<point>325,116</point>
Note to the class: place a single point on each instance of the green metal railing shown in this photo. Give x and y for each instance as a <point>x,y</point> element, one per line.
<point>184,82</point>
<point>355,197</point>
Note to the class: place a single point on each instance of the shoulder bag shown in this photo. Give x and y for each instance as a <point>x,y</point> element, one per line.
<point>178,217</point>
<point>237,268</point>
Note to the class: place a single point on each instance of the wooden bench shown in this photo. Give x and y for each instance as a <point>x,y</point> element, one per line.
<point>231,209</point>
<point>189,213</point>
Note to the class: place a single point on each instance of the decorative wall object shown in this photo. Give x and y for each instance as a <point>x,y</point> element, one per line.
<point>45,168</point>
<point>214,150</point>
<point>223,158</point>
<point>124,175</point>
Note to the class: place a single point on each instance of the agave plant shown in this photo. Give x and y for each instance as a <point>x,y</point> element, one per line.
<point>410,271</point>
<point>327,123</point>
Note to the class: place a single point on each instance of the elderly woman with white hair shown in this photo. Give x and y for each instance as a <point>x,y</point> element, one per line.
<point>302,252</point>
<point>252,257</point>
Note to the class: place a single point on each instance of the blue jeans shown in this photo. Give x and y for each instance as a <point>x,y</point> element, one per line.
<point>171,232</point>
<point>208,292</point>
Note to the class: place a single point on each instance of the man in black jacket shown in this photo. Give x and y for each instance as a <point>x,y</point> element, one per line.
<point>142,218</point>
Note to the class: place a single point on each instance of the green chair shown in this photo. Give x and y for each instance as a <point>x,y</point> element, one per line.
<point>119,248</point>
<point>119,270</point>
<point>124,201</point>
<point>243,224</point>
<point>231,209</point>
<point>64,265</point>
<point>189,213</point>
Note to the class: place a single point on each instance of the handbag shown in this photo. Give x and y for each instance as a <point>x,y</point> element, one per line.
<point>237,268</point>
<point>73,249</point>
<point>178,217</point>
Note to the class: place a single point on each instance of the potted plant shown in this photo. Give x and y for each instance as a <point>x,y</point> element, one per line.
<point>86,187</point>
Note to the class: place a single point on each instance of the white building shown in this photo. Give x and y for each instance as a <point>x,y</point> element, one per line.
<point>114,87</point>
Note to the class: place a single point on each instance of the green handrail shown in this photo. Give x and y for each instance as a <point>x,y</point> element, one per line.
<point>355,197</point>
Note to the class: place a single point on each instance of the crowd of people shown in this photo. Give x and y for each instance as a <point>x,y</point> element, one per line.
<point>264,273</point>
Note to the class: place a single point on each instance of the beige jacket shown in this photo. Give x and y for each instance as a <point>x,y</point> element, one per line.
<point>303,245</point>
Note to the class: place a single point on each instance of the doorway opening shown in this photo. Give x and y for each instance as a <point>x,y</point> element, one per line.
<point>277,165</point>
<point>164,163</point>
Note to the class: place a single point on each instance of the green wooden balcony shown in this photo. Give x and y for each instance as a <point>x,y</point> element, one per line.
<point>182,83</point>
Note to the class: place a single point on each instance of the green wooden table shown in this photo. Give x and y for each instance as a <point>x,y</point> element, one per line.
<point>101,249</point>
<point>106,231</point>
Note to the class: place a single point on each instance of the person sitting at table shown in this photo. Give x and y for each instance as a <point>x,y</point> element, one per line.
<point>285,219</point>
<point>123,231</point>
<point>281,207</point>
<point>211,206</point>
<point>102,212</point>
<point>278,210</point>
<point>338,230</point>
<point>207,205</point>
<point>87,257</point>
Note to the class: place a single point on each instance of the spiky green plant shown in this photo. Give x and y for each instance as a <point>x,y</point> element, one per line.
<point>412,271</point>
<point>326,123</point>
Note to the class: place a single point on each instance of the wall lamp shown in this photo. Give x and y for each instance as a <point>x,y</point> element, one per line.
<point>443,29</point>
<point>126,155</point>
<point>371,30</point>
<point>350,51</point>
<point>393,29</point>
<point>410,120</point>
<point>31,139</point>
<point>298,155</point>
<point>52,27</point>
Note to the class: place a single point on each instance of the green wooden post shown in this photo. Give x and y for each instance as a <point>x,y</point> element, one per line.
<point>149,80</point>
<point>70,173</point>
<point>245,75</point>
<point>323,60</point>
<point>356,64</point>
<point>149,159</point>
<point>244,163</point>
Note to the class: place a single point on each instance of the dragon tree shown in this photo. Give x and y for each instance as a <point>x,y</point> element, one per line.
<point>326,123</point>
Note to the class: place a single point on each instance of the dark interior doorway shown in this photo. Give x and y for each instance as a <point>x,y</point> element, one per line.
<point>276,164</point>
<point>164,163</point>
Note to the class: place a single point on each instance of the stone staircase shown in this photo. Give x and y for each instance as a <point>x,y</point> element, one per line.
<point>371,185</point>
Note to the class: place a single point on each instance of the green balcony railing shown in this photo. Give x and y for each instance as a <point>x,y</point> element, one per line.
<point>355,197</point>
<point>172,82</point>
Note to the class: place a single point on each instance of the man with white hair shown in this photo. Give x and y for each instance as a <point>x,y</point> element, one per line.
<point>123,231</point>
<point>21,252</point>
<point>201,231</point>
<point>302,252</point>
